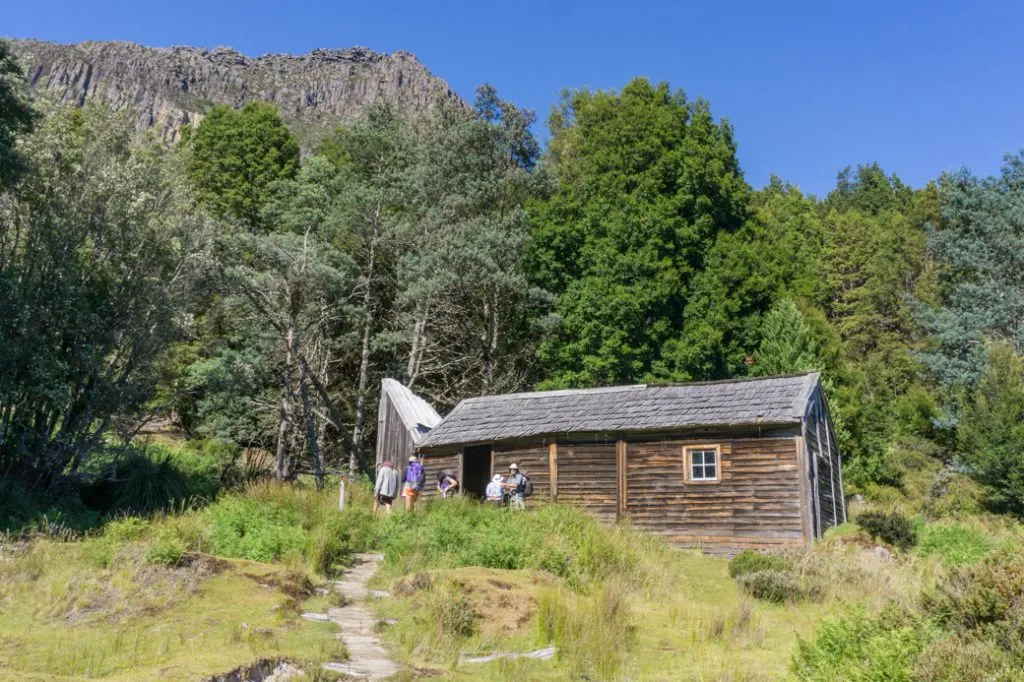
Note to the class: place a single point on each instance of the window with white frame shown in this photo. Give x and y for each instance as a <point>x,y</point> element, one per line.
<point>702,464</point>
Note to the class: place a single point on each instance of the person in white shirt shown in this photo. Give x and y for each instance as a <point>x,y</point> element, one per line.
<point>494,490</point>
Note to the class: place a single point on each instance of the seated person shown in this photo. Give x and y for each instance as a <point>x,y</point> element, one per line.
<point>495,492</point>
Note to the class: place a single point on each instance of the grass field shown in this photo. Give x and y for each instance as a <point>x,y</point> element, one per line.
<point>185,595</point>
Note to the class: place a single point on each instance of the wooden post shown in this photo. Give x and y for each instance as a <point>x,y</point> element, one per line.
<point>462,470</point>
<point>553,470</point>
<point>620,466</point>
<point>341,495</point>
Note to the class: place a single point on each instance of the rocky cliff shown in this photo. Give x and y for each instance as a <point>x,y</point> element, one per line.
<point>170,87</point>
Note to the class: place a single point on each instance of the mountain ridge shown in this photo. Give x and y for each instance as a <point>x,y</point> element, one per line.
<point>171,87</point>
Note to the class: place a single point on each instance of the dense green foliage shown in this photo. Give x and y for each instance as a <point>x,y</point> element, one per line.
<point>99,249</point>
<point>992,430</point>
<point>16,116</point>
<point>256,297</point>
<point>749,561</point>
<point>891,527</point>
<point>235,157</point>
<point>647,183</point>
<point>966,628</point>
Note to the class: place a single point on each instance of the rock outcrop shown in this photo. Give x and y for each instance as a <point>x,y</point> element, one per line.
<point>170,87</point>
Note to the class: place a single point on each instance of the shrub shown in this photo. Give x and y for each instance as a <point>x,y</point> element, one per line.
<point>893,528</point>
<point>249,529</point>
<point>771,585</point>
<point>749,561</point>
<point>167,551</point>
<point>858,647</point>
<point>987,595</point>
<point>956,658</point>
<point>954,543</point>
<point>127,529</point>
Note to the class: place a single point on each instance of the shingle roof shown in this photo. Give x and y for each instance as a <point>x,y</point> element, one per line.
<point>412,409</point>
<point>769,400</point>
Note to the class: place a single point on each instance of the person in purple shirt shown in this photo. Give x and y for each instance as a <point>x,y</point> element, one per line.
<point>415,478</point>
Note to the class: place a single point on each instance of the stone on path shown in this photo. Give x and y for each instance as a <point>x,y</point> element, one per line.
<point>367,658</point>
<point>545,654</point>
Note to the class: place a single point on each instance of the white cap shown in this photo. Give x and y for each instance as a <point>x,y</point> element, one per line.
<point>513,465</point>
<point>412,458</point>
<point>497,478</point>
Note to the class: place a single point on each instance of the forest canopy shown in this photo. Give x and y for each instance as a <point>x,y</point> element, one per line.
<point>248,294</point>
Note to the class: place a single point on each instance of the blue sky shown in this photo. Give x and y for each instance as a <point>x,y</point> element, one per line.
<point>810,87</point>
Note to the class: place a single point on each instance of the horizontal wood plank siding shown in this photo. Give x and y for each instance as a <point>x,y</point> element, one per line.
<point>534,461</point>
<point>756,504</point>
<point>588,478</point>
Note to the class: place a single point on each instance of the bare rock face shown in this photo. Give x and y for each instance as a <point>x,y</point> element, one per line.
<point>170,87</point>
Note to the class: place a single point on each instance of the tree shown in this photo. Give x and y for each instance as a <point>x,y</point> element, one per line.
<point>991,433</point>
<point>16,114</point>
<point>373,157</point>
<point>787,342</point>
<point>235,156</point>
<point>292,283</point>
<point>980,243</point>
<point>647,183</point>
<point>466,306</point>
<point>99,251</point>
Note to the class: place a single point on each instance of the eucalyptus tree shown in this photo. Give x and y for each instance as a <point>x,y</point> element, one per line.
<point>373,157</point>
<point>980,243</point>
<point>292,281</point>
<point>16,114</point>
<point>465,303</point>
<point>99,249</point>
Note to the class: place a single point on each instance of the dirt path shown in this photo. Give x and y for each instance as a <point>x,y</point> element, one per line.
<point>367,658</point>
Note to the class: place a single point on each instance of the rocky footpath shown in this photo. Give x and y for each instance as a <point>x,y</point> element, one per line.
<point>170,87</point>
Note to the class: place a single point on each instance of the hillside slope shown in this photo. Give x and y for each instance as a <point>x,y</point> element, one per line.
<point>173,86</point>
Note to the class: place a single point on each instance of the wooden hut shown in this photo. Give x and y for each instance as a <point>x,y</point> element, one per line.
<point>725,465</point>
<point>403,419</point>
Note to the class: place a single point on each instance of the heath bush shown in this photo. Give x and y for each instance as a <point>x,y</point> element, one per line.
<point>891,527</point>
<point>771,585</point>
<point>749,561</point>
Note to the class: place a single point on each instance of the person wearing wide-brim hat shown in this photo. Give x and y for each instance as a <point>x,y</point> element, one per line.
<point>515,484</point>
<point>495,492</point>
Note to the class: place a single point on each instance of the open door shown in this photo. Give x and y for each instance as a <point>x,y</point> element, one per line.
<point>476,469</point>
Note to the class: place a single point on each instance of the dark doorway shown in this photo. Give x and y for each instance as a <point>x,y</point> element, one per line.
<point>476,469</point>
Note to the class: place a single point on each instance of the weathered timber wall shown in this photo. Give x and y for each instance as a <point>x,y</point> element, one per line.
<point>394,440</point>
<point>588,478</point>
<point>755,505</point>
<point>432,464</point>
<point>824,468</point>
<point>532,460</point>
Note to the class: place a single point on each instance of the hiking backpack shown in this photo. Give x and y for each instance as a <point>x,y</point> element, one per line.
<point>528,487</point>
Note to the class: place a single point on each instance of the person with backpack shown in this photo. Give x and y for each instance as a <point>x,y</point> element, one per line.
<point>385,488</point>
<point>415,478</point>
<point>517,485</point>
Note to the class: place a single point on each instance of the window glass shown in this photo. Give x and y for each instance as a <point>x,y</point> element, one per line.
<point>704,464</point>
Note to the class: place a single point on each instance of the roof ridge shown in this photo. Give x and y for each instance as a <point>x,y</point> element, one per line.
<point>635,387</point>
